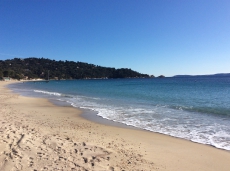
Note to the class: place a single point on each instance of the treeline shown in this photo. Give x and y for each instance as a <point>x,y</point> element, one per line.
<point>34,68</point>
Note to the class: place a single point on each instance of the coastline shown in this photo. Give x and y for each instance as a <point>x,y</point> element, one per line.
<point>33,129</point>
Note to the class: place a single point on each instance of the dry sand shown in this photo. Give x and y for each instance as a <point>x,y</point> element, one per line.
<point>37,135</point>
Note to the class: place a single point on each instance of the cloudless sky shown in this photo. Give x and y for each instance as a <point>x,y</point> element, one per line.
<point>156,37</point>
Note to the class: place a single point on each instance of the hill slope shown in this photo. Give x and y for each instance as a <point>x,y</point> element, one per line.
<point>38,68</point>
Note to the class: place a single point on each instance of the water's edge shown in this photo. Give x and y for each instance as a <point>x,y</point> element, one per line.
<point>94,115</point>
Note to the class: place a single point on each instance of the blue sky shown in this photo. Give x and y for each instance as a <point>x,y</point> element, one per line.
<point>156,37</point>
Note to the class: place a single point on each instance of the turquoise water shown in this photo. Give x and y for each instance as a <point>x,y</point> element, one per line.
<point>193,108</point>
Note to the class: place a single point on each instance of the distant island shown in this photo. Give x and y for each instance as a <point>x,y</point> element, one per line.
<point>41,68</point>
<point>211,75</point>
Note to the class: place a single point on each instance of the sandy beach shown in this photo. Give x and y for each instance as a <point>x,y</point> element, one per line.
<point>37,135</point>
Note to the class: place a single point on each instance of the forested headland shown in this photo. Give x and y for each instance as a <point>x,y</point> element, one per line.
<point>40,68</point>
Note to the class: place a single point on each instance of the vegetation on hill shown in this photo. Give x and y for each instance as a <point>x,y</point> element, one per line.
<point>34,68</point>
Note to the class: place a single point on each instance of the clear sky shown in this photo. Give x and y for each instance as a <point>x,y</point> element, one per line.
<point>156,37</point>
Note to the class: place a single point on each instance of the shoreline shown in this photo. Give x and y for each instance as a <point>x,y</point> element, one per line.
<point>115,148</point>
<point>92,116</point>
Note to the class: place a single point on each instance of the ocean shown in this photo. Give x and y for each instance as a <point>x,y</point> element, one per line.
<point>191,108</point>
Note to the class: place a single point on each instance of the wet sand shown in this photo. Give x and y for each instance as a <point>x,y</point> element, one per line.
<point>38,135</point>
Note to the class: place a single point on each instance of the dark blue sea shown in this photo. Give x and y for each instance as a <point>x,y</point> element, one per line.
<point>192,108</point>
